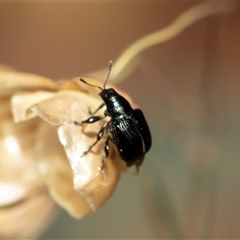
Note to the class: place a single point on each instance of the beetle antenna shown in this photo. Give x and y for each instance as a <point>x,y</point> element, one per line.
<point>109,71</point>
<point>82,80</point>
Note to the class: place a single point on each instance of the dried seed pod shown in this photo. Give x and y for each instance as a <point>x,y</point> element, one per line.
<point>23,195</point>
<point>26,209</point>
<point>74,182</point>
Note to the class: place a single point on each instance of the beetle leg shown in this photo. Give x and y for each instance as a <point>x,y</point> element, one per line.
<point>99,136</point>
<point>92,119</point>
<point>106,150</point>
<point>92,113</point>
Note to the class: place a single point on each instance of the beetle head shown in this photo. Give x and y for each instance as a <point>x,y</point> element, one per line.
<point>109,93</point>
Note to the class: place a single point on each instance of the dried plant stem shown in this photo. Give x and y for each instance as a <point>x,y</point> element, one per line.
<point>185,20</point>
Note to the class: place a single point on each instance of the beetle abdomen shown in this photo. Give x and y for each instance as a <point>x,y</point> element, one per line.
<point>128,138</point>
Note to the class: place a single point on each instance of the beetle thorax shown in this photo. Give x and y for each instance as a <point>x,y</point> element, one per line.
<point>116,105</point>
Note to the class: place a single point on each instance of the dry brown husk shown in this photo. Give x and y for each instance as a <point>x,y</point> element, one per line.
<point>41,152</point>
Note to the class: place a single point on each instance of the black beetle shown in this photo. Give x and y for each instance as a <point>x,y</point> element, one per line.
<point>127,129</point>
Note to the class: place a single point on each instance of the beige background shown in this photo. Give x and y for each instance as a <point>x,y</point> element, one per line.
<point>189,91</point>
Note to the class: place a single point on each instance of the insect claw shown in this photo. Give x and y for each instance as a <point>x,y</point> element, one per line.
<point>89,111</point>
<point>136,172</point>
<point>77,123</point>
<point>101,168</point>
<point>84,153</point>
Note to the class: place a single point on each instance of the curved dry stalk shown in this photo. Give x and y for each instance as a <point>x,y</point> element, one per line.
<point>186,19</point>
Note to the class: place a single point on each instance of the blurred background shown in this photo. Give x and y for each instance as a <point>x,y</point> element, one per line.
<point>188,89</point>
